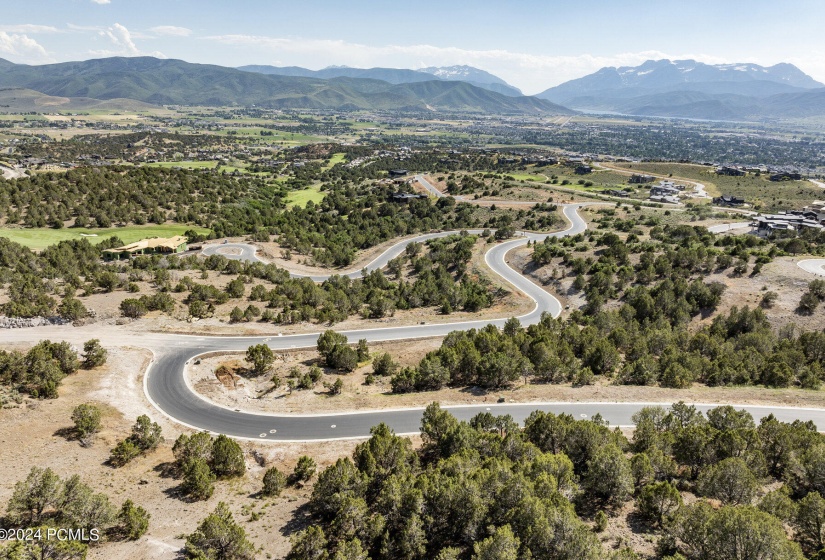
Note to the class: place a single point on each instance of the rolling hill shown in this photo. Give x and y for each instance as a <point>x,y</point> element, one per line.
<point>25,100</point>
<point>472,76</point>
<point>161,81</point>
<point>690,89</point>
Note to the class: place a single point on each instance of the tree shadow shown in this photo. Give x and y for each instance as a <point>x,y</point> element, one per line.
<point>588,506</point>
<point>168,469</point>
<point>245,373</point>
<point>478,391</point>
<point>638,524</point>
<point>179,494</point>
<point>68,433</point>
<point>298,522</point>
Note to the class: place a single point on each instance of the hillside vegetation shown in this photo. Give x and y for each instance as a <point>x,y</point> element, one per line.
<point>163,82</point>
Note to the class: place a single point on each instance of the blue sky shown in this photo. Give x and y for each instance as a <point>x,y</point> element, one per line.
<point>531,44</point>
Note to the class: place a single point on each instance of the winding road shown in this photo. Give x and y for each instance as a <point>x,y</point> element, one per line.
<point>166,386</point>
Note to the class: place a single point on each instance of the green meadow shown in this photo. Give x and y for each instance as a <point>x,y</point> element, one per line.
<point>40,238</point>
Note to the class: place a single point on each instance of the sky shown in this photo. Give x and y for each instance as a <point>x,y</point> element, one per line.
<point>531,44</point>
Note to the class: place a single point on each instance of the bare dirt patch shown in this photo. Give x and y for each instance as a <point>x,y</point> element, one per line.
<point>782,276</point>
<point>256,393</point>
<point>273,253</point>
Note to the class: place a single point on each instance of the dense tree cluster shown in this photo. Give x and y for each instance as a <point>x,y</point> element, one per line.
<point>488,489</point>
<point>219,537</point>
<point>39,371</point>
<point>201,459</point>
<point>86,418</point>
<point>45,284</point>
<point>735,349</point>
<point>336,354</point>
<point>43,501</point>
<point>103,197</point>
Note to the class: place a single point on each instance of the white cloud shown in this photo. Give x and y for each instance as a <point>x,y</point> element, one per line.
<point>75,27</point>
<point>22,47</point>
<point>101,2</point>
<point>171,30</point>
<point>122,39</point>
<point>28,28</point>
<point>531,72</point>
<point>812,64</point>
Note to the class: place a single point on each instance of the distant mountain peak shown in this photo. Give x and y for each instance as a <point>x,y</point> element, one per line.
<point>689,88</point>
<point>472,75</point>
<point>694,71</point>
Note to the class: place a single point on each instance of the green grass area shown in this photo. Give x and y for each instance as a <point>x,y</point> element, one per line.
<point>40,238</point>
<point>300,198</point>
<point>335,159</point>
<point>600,181</point>
<point>526,177</point>
<point>185,164</point>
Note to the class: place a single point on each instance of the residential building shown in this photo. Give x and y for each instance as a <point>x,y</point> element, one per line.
<point>726,200</point>
<point>175,244</point>
<point>637,179</point>
<point>730,171</point>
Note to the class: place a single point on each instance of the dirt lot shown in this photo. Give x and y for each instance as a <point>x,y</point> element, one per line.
<point>527,191</point>
<point>35,434</point>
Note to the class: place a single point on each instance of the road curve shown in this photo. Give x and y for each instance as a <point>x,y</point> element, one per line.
<point>245,251</point>
<point>166,386</point>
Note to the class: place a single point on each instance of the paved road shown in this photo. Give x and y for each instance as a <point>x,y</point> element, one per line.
<point>233,251</point>
<point>167,388</point>
<point>814,266</point>
<point>427,185</point>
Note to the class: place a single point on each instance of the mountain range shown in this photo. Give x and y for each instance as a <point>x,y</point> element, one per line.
<point>690,89</point>
<point>163,81</point>
<point>663,88</point>
<point>468,74</point>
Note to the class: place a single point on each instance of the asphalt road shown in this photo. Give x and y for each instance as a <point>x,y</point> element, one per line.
<point>232,251</point>
<point>427,185</point>
<point>166,386</point>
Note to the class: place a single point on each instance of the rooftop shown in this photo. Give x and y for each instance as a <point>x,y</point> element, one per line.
<point>171,243</point>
